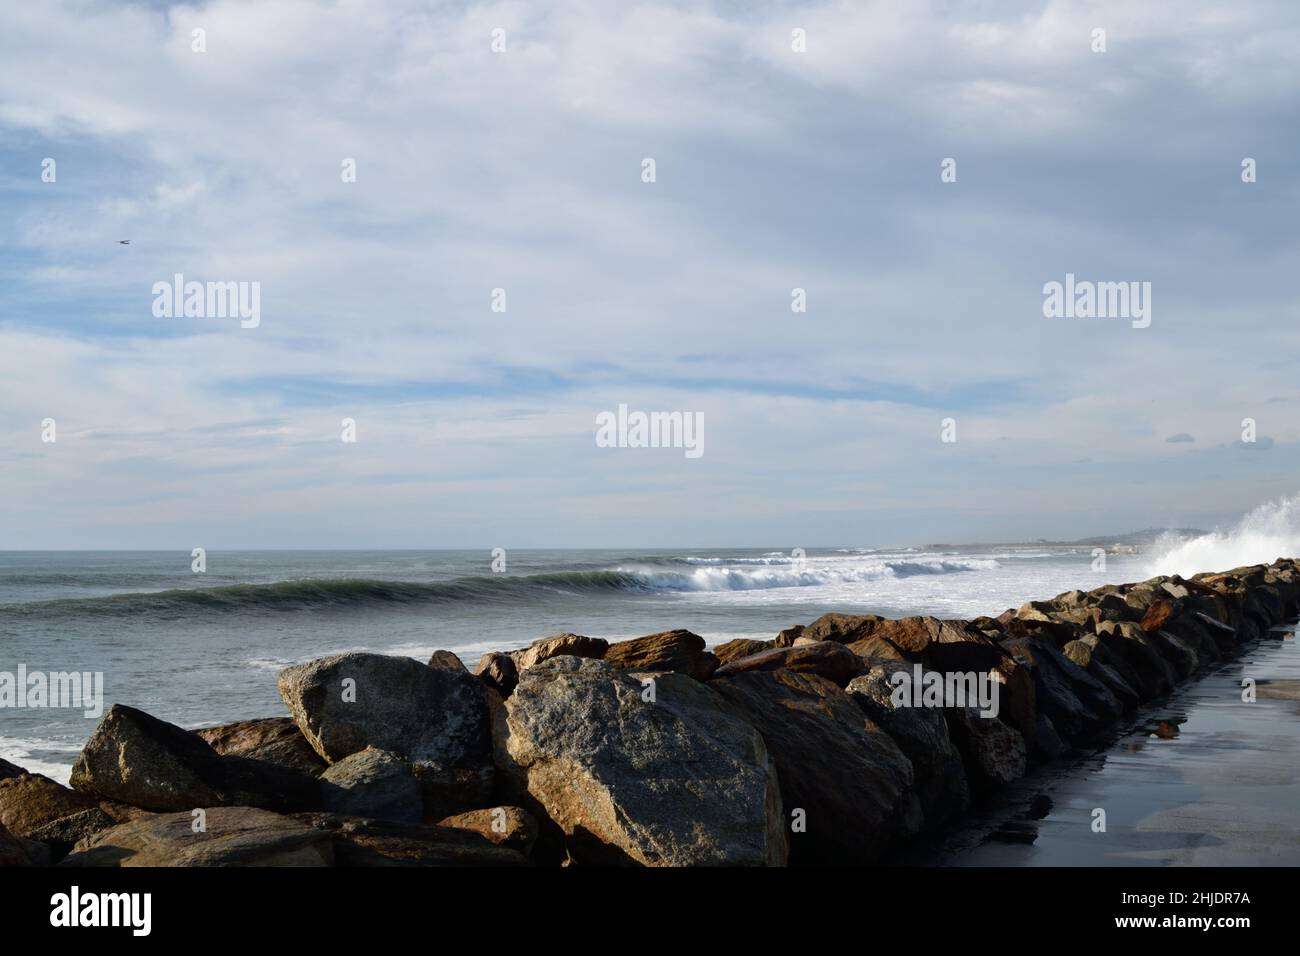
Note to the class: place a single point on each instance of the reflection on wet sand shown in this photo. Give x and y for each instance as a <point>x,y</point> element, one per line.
<point>1205,777</point>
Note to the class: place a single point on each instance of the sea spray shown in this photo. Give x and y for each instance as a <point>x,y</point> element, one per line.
<point>1270,531</point>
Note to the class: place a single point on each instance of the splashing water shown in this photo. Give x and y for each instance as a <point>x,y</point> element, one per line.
<point>1269,532</point>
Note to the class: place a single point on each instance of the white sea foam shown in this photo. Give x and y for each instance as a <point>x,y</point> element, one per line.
<point>808,573</point>
<point>20,750</point>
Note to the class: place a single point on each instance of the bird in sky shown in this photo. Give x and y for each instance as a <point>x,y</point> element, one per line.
<point>124,242</point>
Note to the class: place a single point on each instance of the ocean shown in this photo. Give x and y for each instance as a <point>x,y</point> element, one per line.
<point>204,648</point>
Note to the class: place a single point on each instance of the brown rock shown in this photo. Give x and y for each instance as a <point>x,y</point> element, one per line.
<point>878,649</point>
<point>231,836</point>
<point>842,628</point>
<point>446,659</point>
<point>512,827</point>
<point>827,659</point>
<point>32,801</point>
<point>679,651</point>
<point>740,647</point>
<point>560,645</point>
<point>273,740</point>
<point>1158,612</point>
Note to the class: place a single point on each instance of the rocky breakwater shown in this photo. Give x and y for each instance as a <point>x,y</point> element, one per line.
<point>655,751</point>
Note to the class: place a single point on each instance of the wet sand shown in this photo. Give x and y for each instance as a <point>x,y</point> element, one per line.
<point>1199,779</point>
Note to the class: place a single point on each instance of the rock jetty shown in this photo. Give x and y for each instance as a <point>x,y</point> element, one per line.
<point>653,752</point>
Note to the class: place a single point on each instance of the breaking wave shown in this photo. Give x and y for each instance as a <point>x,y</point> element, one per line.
<point>1269,532</point>
<point>341,593</point>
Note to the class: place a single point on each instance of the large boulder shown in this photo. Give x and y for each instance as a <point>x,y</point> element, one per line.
<point>357,841</point>
<point>678,650</point>
<point>273,740</point>
<point>222,836</point>
<point>844,782</point>
<point>8,770</point>
<point>434,717</point>
<point>827,659</point>
<point>922,734</point>
<point>372,783</point>
<point>645,773</point>
<point>512,827</point>
<point>149,763</point>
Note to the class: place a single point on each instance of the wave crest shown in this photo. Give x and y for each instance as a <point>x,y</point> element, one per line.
<point>342,593</point>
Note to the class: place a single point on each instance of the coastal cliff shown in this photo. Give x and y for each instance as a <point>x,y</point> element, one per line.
<point>816,747</point>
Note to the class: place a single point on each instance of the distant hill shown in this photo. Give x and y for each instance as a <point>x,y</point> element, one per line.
<point>1137,538</point>
<point>1132,539</point>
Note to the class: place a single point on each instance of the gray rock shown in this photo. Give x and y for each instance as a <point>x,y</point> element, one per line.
<point>1048,741</point>
<point>149,763</point>
<point>1128,641</point>
<point>499,672</point>
<point>670,782</point>
<point>372,783</point>
<point>1080,706</point>
<point>63,834</point>
<point>434,717</point>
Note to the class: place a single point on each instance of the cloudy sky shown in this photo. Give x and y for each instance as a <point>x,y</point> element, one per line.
<point>522,170</point>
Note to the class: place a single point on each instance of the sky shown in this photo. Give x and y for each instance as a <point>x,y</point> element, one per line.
<point>523,169</point>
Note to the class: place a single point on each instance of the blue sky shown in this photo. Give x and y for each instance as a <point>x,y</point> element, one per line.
<point>522,170</point>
